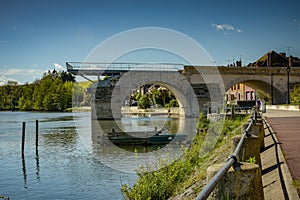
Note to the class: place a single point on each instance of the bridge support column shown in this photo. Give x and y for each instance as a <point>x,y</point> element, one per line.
<point>102,103</point>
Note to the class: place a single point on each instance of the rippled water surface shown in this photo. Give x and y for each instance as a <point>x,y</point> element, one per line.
<point>63,168</point>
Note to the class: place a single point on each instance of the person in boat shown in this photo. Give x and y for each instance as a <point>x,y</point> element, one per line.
<point>157,132</point>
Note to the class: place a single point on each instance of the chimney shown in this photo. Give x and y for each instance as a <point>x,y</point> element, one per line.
<point>291,61</point>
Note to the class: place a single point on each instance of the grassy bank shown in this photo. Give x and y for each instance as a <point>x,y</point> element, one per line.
<point>185,177</point>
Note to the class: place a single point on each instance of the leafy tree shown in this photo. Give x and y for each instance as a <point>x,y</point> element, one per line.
<point>65,77</point>
<point>156,98</point>
<point>144,102</point>
<point>78,95</point>
<point>26,100</point>
<point>51,93</point>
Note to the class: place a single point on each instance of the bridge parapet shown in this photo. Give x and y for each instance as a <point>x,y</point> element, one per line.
<point>277,71</point>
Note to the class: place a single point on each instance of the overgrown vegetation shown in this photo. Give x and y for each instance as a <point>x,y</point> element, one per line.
<point>191,168</point>
<point>51,93</point>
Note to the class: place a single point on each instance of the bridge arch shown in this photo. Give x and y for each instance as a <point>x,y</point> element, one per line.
<point>261,83</point>
<point>175,82</point>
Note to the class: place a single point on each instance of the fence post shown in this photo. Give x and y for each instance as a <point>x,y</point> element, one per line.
<point>250,149</point>
<point>36,135</point>
<point>23,137</point>
<point>242,183</point>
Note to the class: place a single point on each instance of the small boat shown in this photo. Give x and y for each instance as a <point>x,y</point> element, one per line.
<point>144,138</point>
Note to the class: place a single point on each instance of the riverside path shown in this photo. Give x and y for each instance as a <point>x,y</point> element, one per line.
<point>284,126</point>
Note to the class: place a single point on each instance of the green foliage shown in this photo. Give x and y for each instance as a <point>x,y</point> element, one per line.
<point>78,94</point>
<point>295,95</point>
<point>296,183</point>
<point>160,98</point>
<point>144,102</point>
<point>51,93</point>
<point>137,96</point>
<point>155,97</point>
<point>176,177</point>
<point>251,160</point>
<point>172,103</point>
<point>203,124</point>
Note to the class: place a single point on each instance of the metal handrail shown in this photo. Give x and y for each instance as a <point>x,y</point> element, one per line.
<point>124,66</point>
<point>232,161</point>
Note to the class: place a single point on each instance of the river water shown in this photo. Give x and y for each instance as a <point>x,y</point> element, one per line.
<point>66,166</point>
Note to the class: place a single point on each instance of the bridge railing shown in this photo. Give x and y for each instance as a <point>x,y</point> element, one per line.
<point>124,66</point>
<point>232,161</point>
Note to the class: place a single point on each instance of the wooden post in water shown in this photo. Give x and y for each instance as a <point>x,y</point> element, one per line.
<point>23,137</point>
<point>36,136</point>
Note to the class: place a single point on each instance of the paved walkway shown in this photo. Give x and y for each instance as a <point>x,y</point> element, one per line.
<point>276,166</point>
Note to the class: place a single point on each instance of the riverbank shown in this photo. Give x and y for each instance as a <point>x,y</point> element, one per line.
<point>81,109</point>
<point>135,111</point>
<point>186,177</point>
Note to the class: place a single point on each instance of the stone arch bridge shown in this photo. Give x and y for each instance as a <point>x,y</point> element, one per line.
<point>197,88</point>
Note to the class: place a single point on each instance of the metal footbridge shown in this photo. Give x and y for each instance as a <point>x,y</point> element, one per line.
<point>103,69</point>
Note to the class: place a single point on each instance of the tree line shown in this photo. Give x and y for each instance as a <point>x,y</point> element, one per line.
<point>53,92</point>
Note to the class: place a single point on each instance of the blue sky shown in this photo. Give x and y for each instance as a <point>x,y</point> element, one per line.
<point>39,35</point>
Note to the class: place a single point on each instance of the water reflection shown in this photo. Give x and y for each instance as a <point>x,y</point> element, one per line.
<point>37,165</point>
<point>124,158</point>
<point>24,171</point>
<point>59,135</point>
<point>58,119</point>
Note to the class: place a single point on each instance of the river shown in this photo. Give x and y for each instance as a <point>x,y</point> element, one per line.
<point>64,169</point>
<point>66,166</point>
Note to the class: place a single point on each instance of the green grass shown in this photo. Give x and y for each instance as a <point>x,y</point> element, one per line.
<point>84,84</point>
<point>190,170</point>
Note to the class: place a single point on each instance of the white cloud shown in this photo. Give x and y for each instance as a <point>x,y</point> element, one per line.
<point>58,66</point>
<point>12,71</point>
<point>225,27</point>
<point>18,71</point>
<point>4,80</point>
<point>22,75</point>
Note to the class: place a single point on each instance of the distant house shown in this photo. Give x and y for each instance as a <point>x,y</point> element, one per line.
<point>239,92</point>
<point>274,59</point>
